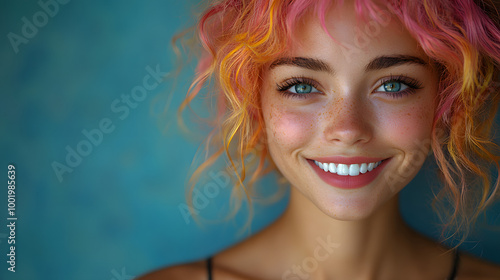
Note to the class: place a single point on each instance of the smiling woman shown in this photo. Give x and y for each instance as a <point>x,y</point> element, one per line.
<point>371,111</point>
<point>346,99</point>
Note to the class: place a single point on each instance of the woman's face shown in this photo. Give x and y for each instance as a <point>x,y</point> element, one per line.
<point>344,108</point>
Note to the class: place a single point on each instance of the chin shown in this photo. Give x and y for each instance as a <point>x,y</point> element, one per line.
<point>352,206</point>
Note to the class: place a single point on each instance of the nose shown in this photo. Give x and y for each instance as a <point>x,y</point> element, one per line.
<point>348,122</point>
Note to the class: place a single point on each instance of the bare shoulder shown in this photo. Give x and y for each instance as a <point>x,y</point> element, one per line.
<point>471,267</point>
<point>237,262</point>
<point>195,271</point>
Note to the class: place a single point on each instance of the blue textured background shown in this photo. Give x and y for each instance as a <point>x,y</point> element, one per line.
<point>116,215</point>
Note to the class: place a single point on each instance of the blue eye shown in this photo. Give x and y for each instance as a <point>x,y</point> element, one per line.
<point>302,88</point>
<point>392,86</point>
<point>298,87</point>
<point>399,86</point>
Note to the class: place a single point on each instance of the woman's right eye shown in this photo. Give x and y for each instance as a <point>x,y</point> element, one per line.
<point>298,87</point>
<point>302,88</point>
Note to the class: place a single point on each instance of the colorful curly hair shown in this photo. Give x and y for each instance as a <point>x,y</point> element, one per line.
<point>239,37</point>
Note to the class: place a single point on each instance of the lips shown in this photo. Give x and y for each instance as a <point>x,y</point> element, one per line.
<point>348,173</point>
<point>347,169</point>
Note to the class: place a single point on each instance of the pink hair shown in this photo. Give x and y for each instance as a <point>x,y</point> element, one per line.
<point>240,37</point>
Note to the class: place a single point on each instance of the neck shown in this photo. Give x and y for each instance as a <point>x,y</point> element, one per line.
<point>357,248</point>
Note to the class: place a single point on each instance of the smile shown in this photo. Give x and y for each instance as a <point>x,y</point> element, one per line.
<point>348,169</point>
<point>348,173</point>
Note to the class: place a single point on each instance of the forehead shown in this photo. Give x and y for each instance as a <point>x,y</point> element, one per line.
<point>354,40</point>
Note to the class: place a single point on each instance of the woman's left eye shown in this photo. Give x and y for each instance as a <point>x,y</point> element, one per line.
<point>392,86</point>
<point>399,86</point>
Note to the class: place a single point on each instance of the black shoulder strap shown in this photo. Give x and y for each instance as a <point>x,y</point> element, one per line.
<point>454,270</point>
<point>209,268</point>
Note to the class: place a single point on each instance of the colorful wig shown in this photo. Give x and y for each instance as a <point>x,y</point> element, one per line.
<point>462,37</point>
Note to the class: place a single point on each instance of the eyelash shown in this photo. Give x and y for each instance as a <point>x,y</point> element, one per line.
<point>413,86</point>
<point>286,85</point>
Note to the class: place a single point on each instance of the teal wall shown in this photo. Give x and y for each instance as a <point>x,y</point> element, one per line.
<point>113,211</point>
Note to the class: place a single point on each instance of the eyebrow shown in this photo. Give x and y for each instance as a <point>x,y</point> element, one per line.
<point>385,61</point>
<point>308,63</point>
<point>380,62</point>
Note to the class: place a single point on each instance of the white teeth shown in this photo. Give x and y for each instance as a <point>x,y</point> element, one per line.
<point>354,170</point>
<point>343,169</point>
<point>348,169</point>
<point>325,166</point>
<point>332,168</point>
<point>363,168</point>
<point>371,165</point>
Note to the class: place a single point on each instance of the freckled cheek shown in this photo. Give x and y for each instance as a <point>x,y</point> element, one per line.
<point>290,130</point>
<point>409,126</point>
